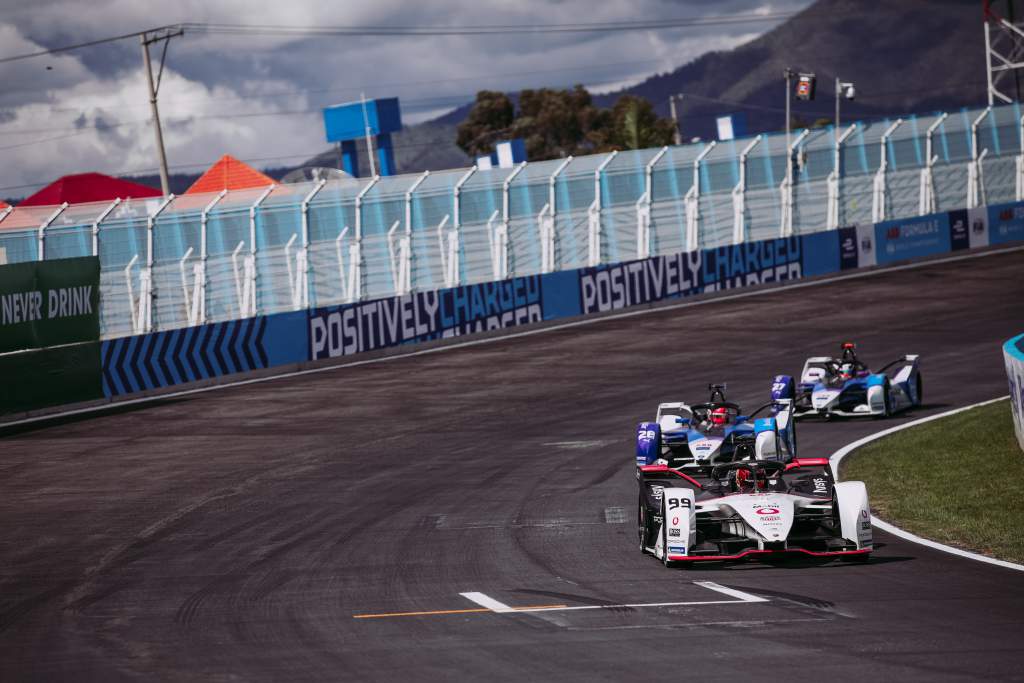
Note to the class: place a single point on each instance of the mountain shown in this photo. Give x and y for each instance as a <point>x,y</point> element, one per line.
<point>904,57</point>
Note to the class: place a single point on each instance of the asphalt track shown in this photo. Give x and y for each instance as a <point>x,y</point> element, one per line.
<point>245,533</point>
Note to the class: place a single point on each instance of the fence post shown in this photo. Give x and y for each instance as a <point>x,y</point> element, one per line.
<point>594,215</point>
<point>503,235</point>
<point>146,277</point>
<point>878,199</point>
<point>975,182</point>
<point>457,214</point>
<point>44,225</point>
<point>786,229</point>
<point>1020,165</point>
<point>546,221</point>
<point>926,203</point>
<point>302,258</point>
<point>834,193</point>
<point>96,226</point>
<point>692,200</point>
<point>406,244</point>
<point>495,240</point>
<point>643,207</point>
<point>355,261</point>
<point>739,193</point>
<point>250,264</point>
<point>204,254</point>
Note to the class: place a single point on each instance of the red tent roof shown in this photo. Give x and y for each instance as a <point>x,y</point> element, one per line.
<point>228,173</point>
<point>3,205</point>
<point>88,187</point>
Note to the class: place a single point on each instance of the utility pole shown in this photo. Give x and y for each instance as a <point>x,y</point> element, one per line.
<point>677,136</point>
<point>147,39</point>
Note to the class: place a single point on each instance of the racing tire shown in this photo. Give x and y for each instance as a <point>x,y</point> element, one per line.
<point>920,391</point>
<point>886,401</point>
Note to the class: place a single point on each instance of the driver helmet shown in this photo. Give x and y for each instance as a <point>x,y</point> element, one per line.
<point>719,416</point>
<point>745,480</point>
<point>847,371</point>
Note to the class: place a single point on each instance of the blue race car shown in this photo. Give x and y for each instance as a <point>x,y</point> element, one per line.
<point>845,386</point>
<point>704,435</point>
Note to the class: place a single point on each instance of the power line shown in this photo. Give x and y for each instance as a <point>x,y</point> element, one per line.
<point>493,29</point>
<point>503,29</point>
<point>78,46</point>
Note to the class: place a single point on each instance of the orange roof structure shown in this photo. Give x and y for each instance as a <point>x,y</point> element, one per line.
<point>229,174</point>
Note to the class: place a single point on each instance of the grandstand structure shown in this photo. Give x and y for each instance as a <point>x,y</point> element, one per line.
<point>172,261</point>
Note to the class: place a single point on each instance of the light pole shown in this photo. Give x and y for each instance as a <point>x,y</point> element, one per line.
<point>677,135</point>
<point>788,74</point>
<point>843,89</point>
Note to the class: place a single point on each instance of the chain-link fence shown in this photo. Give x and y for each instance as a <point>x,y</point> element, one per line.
<point>202,258</point>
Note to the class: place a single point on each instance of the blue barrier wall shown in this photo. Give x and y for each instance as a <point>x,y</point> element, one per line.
<point>163,359</point>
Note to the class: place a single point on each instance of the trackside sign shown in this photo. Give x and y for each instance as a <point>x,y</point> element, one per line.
<point>49,303</point>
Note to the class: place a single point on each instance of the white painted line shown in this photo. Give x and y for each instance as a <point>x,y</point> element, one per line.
<point>636,604</point>
<point>488,602</point>
<point>799,284</point>
<point>838,456</point>
<point>745,597</point>
<point>741,598</point>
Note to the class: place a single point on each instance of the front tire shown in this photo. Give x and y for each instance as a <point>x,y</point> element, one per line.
<point>920,391</point>
<point>664,534</point>
<point>887,398</point>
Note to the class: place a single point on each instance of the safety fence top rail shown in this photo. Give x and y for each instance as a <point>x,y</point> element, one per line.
<point>285,246</point>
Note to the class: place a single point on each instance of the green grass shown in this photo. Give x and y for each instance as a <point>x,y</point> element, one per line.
<point>958,480</point>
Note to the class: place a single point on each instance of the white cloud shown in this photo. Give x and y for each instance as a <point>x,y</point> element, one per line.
<point>238,94</point>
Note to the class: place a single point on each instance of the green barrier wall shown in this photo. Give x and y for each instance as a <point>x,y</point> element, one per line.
<point>30,380</point>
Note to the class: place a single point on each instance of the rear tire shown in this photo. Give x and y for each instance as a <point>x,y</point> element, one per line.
<point>886,389</point>
<point>920,391</point>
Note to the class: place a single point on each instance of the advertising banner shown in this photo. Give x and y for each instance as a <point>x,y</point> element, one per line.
<point>1013,354</point>
<point>1006,223</point>
<point>49,303</point>
<point>421,316</point>
<point>911,238</point>
<point>672,276</point>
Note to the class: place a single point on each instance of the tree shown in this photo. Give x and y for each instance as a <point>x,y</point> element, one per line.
<point>635,125</point>
<point>557,123</point>
<point>488,121</point>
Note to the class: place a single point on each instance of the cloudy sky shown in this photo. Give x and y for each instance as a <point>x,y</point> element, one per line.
<point>258,96</point>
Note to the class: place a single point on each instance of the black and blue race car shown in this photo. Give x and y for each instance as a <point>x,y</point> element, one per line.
<point>845,386</point>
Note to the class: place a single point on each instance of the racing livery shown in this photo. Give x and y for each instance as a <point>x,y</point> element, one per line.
<point>744,509</point>
<point>715,432</point>
<point>845,386</point>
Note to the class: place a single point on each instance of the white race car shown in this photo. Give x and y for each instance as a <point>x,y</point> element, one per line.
<point>752,509</point>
